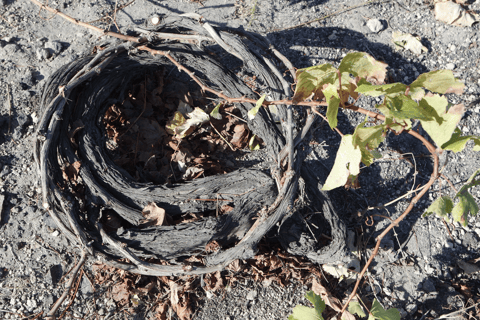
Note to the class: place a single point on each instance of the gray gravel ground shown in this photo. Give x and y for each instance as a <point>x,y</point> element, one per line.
<point>417,266</point>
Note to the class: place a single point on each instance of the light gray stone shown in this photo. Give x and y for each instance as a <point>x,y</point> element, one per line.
<point>375,25</point>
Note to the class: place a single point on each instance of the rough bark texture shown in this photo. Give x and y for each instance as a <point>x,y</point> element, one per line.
<point>83,89</point>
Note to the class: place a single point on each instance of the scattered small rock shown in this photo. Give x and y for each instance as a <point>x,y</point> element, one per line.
<point>411,308</point>
<point>54,47</point>
<point>375,25</point>
<point>43,54</point>
<point>252,295</point>
<point>428,286</point>
<point>450,66</point>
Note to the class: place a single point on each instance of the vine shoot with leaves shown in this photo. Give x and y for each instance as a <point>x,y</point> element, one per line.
<point>423,100</point>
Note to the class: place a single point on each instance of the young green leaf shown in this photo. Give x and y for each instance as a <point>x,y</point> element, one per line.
<point>467,203</point>
<point>380,90</point>
<point>471,182</point>
<point>457,142</point>
<point>442,133</point>
<point>253,144</point>
<point>368,139</point>
<point>465,206</point>
<point>440,81</point>
<point>363,65</point>
<point>355,308</point>
<point>402,107</point>
<point>349,85</point>
<point>442,207</point>
<point>311,80</point>
<point>378,313</point>
<point>306,313</point>
<point>216,112</point>
<point>333,100</point>
<point>253,112</point>
<point>347,162</point>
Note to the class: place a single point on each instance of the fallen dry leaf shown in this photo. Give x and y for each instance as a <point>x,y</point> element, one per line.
<point>240,135</point>
<point>453,13</point>
<point>153,214</point>
<point>330,300</point>
<point>408,42</point>
<point>121,293</point>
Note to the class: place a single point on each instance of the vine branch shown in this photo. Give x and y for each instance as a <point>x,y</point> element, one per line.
<point>87,25</point>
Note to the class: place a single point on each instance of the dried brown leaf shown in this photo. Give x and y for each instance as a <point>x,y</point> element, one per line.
<point>240,136</point>
<point>121,293</point>
<point>153,214</point>
<point>212,246</point>
<point>330,300</point>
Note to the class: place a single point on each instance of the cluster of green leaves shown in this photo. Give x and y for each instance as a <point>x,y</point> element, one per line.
<point>444,206</point>
<point>377,312</point>
<point>423,100</point>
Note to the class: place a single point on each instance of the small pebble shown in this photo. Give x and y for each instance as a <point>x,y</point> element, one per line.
<point>375,25</point>
<point>450,66</point>
<point>252,295</point>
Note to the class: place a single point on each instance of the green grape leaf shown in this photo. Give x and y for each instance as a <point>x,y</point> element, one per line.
<point>465,206</point>
<point>402,107</point>
<point>349,87</point>
<point>442,133</point>
<point>416,93</point>
<point>466,202</point>
<point>216,112</point>
<point>355,308</point>
<point>380,90</point>
<point>442,207</point>
<point>311,80</point>
<point>363,65</point>
<point>347,162</point>
<point>476,147</point>
<point>368,138</point>
<point>306,313</point>
<point>253,112</point>
<point>378,313</point>
<point>440,81</point>
<point>457,142</point>
<point>333,100</point>
<point>471,182</point>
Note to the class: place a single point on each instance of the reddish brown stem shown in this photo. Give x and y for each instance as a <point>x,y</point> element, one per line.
<point>221,95</point>
<point>395,223</point>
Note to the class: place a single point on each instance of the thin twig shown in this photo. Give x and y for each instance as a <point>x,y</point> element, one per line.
<point>9,101</point>
<point>53,310</point>
<point>448,229</point>
<point>74,293</point>
<point>89,26</point>
<point>11,25</point>
<point>449,182</point>
<point>325,118</point>
<point>231,147</point>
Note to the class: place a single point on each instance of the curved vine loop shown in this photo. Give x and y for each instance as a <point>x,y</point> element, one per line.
<point>81,91</point>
